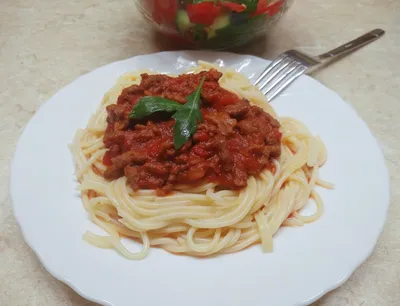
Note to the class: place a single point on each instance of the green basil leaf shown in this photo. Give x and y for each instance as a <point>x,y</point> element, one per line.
<point>149,105</point>
<point>186,118</point>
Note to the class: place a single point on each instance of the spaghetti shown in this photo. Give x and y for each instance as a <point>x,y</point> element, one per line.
<point>206,219</point>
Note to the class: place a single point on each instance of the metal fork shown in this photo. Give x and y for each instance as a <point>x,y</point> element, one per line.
<point>291,64</point>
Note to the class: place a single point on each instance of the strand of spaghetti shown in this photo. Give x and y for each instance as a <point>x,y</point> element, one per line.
<point>265,233</point>
<point>229,239</point>
<point>318,213</point>
<point>234,216</point>
<point>243,243</point>
<point>202,248</point>
<point>264,188</point>
<point>89,162</point>
<point>115,240</point>
<point>96,240</point>
<point>97,145</point>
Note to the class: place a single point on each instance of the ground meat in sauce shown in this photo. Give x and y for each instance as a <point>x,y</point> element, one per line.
<point>235,140</point>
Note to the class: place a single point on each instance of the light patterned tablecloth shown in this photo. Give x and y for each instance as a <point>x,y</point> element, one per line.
<point>46,44</point>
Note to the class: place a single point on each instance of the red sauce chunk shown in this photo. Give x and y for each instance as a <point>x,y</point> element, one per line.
<point>234,141</point>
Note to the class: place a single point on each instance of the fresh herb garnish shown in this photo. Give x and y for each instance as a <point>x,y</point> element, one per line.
<point>149,105</point>
<point>186,118</point>
<point>186,115</point>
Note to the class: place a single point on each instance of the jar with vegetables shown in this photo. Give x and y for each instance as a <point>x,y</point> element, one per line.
<point>212,24</point>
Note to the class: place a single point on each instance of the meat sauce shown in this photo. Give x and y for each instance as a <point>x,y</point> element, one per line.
<point>234,141</point>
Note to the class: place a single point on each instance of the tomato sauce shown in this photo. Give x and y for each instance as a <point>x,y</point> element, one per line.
<point>234,141</point>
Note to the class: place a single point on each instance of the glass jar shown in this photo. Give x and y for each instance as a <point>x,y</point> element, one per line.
<point>212,24</point>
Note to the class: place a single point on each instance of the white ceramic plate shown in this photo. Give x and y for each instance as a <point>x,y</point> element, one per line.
<point>306,263</point>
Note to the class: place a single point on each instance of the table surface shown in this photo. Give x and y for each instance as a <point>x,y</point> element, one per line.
<point>46,44</point>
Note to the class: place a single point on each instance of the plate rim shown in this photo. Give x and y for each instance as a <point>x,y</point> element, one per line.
<point>80,288</point>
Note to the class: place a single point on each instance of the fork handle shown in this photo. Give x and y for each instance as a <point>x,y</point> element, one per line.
<point>352,45</point>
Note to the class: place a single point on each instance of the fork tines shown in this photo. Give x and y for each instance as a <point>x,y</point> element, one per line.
<point>280,73</point>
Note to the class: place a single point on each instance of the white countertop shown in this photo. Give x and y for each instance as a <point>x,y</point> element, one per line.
<point>46,44</point>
